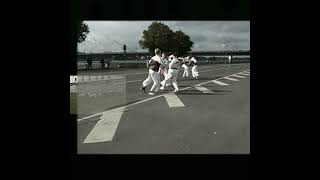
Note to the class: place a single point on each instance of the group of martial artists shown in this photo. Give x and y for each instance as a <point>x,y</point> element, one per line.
<point>168,65</point>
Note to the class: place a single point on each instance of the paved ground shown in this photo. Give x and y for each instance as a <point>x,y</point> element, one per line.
<point>115,117</point>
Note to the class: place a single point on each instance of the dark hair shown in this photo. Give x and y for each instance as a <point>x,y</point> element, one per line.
<point>157,51</point>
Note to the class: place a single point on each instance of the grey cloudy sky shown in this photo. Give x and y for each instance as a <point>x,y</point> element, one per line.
<point>109,36</point>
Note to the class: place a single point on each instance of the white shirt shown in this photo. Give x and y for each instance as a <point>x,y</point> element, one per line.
<point>166,62</point>
<point>193,59</point>
<point>158,59</point>
<point>174,64</point>
<point>170,58</point>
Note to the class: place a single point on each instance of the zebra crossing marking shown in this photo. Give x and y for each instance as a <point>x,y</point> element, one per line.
<point>203,89</point>
<point>231,79</point>
<point>106,127</point>
<point>237,76</point>
<point>173,100</point>
<point>220,83</point>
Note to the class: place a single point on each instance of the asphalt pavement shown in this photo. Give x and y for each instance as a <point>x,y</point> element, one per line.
<point>209,115</point>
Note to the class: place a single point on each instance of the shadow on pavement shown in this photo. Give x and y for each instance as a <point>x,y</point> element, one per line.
<point>197,93</point>
<point>202,92</point>
<point>200,78</point>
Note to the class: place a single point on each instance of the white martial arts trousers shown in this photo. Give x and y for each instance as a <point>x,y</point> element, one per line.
<point>172,75</point>
<point>152,77</point>
<point>186,71</point>
<point>194,71</point>
<point>165,73</point>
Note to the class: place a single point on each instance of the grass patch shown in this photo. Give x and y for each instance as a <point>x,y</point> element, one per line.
<point>73,103</point>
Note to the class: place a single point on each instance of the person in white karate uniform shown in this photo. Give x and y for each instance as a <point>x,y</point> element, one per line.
<point>153,65</point>
<point>229,59</point>
<point>194,70</point>
<point>164,69</point>
<point>172,73</point>
<point>186,64</point>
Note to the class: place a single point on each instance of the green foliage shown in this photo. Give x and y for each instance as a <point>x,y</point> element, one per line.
<point>159,35</point>
<point>83,31</point>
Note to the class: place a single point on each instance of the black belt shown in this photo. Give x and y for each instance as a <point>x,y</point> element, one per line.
<point>174,68</point>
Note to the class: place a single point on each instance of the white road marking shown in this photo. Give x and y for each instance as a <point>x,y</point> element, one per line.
<point>203,89</point>
<point>106,127</point>
<point>244,74</point>
<point>87,117</point>
<point>154,97</point>
<point>128,82</point>
<point>173,100</point>
<point>219,82</point>
<point>140,80</point>
<point>201,68</point>
<point>237,76</point>
<point>231,79</point>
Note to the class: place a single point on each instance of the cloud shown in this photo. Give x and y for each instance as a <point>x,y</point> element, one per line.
<point>108,36</point>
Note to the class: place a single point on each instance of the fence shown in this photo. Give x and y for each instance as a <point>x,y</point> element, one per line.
<point>83,65</point>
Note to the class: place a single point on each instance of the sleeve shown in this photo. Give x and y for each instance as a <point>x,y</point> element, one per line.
<point>161,62</point>
<point>171,63</point>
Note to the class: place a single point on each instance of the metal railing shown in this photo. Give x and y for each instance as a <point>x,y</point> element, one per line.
<point>83,65</point>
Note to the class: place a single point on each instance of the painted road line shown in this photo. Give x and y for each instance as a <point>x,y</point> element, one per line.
<point>128,82</point>
<point>246,74</point>
<point>148,72</point>
<point>231,79</point>
<point>87,117</point>
<point>106,127</point>
<point>143,79</point>
<point>173,100</point>
<point>149,99</point>
<point>140,80</point>
<point>106,76</point>
<point>237,76</point>
<point>203,89</point>
<point>219,82</point>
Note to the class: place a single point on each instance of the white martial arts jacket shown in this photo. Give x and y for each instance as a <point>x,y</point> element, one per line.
<point>155,62</point>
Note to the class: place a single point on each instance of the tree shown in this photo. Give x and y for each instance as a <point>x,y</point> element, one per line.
<point>184,43</point>
<point>159,35</point>
<point>83,31</point>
